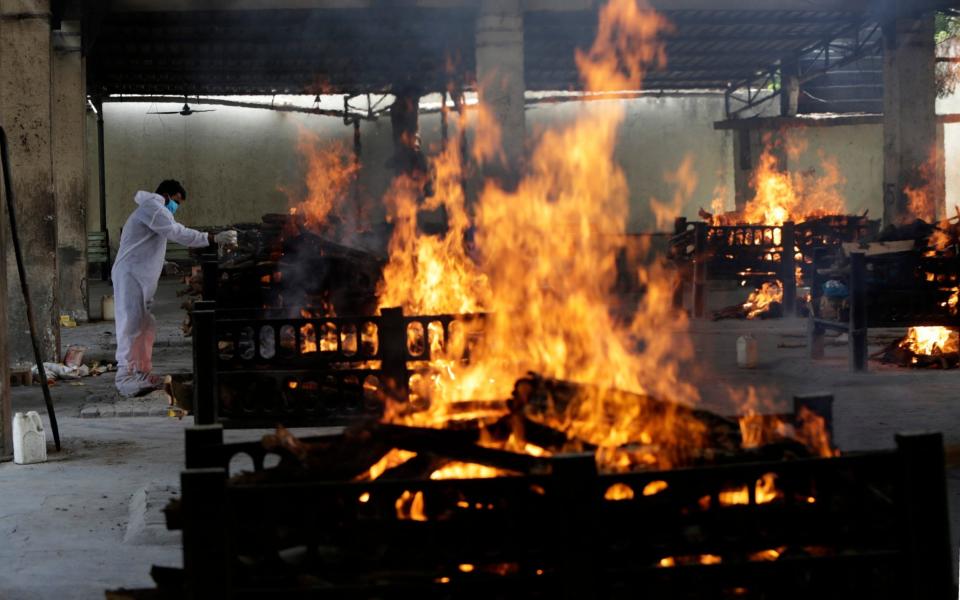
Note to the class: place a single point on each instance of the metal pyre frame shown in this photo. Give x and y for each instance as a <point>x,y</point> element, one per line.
<point>901,289</point>
<point>862,525</point>
<point>704,252</point>
<point>260,367</point>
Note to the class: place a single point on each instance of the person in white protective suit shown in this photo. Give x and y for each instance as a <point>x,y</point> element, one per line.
<point>136,273</point>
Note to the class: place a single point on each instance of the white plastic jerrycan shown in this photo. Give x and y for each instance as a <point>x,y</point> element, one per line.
<point>747,352</point>
<point>29,439</point>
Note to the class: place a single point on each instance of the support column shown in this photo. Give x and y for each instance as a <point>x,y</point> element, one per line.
<point>501,83</point>
<point>6,412</point>
<point>69,177</point>
<point>25,75</point>
<point>743,161</point>
<point>790,89</point>
<point>913,167</point>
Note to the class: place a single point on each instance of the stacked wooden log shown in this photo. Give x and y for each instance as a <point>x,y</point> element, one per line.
<point>539,414</point>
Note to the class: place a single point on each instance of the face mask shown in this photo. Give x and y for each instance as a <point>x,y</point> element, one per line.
<point>172,206</point>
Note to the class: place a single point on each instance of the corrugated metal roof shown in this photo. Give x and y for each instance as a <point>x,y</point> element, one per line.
<point>707,48</point>
<point>355,51</point>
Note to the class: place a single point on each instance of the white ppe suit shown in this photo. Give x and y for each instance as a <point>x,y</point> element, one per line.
<point>136,273</point>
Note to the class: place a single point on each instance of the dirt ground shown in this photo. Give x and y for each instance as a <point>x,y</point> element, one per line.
<point>63,523</point>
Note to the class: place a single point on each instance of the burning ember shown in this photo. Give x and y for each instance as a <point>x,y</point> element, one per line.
<point>928,341</point>
<point>761,301</point>
<point>933,347</point>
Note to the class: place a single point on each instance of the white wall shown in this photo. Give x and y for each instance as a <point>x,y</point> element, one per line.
<point>234,161</point>
<point>951,145</point>
<point>858,152</point>
<point>656,136</point>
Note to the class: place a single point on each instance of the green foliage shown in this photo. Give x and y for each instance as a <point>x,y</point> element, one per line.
<point>947,26</point>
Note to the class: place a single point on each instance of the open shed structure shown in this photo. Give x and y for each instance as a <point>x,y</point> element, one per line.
<point>60,54</point>
<point>570,251</point>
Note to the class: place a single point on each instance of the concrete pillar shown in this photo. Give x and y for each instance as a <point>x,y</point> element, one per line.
<point>25,75</point>
<point>912,155</point>
<point>69,174</point>
<point>405,128</point>
<point>743,161</point>
<point>501,82</point>
<point>790,86</point>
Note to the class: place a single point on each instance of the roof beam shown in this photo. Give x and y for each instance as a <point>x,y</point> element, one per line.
<point>838,6</point>
<point>529,5</point>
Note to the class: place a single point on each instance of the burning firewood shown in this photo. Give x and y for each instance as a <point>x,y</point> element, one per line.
<point>544,418</point>
<point>623,419</point>
<point>923,347</point>
<point>341,457</point>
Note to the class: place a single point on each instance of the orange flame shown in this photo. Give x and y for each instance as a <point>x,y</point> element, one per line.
<point>432,274</point>
<point>461,470</point>
<point>781,196</point>
<point>308,339</point>
<point>765,491</point>
<point>548,249</point>
<point>392,459</point>
<point>684,181</point>
<point>629,42</point>
<point>761,298</point>
<point>929,341</point>
<point>330,173</point>
<point>410,506</point>
<point>487,145</point>
<point>618,491</point>
<point>926,190</point>
<point>813,432</point>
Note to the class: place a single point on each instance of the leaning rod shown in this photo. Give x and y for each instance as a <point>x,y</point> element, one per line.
<point>105,267</point>
<point>41,372</point>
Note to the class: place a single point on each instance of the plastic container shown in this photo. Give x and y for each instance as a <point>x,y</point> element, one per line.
<point>106,305</point>
<point>29,439</point>
<point>746,352</point>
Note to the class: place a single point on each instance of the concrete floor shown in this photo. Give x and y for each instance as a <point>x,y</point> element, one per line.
<point>63,523</point>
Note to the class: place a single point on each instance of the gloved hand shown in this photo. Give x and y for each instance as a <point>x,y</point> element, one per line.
<point>226,239</point>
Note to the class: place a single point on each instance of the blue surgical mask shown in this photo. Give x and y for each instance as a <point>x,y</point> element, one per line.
<point>172,206</point>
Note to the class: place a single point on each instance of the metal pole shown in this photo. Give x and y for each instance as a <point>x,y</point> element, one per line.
<point>24,286</point>
<point>105,269</point>
<point>357,147</point>
<point>858,311</point>
<point>788,268</point>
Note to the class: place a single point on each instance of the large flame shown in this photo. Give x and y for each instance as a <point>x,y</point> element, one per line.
<point>432,274</point>
<point>544,271</point>
<point>330,175</point>
<point>782,196</point>
<point>548,248</point>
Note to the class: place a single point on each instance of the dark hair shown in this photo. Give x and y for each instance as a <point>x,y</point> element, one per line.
<point>170,187</point>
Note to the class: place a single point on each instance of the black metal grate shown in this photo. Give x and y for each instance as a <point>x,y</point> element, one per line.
<point>741,252</point>
<point>864,525</point>
<point>259,368</point>
<point>902,289</point>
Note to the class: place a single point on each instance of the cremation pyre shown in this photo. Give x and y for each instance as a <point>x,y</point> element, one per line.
<point>553,526</point>
<point>281,263</point>
<point>754,253</point>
